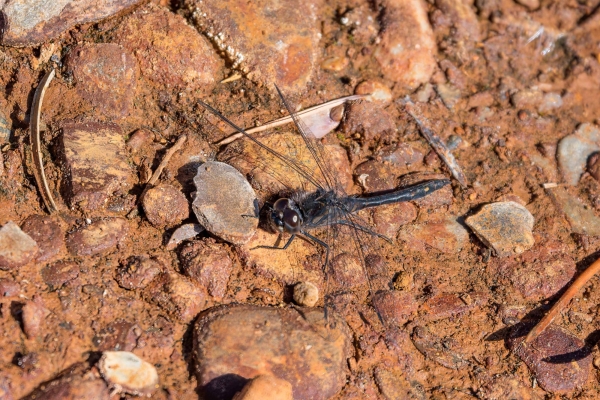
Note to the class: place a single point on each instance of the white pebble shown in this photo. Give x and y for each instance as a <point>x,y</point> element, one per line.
<point>126,372</point>
<point>306,294</point>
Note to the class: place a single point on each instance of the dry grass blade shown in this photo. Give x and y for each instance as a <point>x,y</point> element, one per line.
<point>440,148</point>
<point>40,176</point>
<point>301,114</point>
<point>563,301</point>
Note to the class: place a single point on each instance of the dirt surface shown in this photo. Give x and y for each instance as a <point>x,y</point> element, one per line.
<point>504,82</point>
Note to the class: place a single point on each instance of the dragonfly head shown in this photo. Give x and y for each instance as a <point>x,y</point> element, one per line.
<point>285,216</point>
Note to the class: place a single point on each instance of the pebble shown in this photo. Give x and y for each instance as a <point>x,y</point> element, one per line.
<point>401,155</point>
<point>9,288</point>
<point>77,382</point>
<point>225,203</point>
<point>300,347</point>
<point>33,314</point>
<point>272,43</point>
<point>574,150</point>
<point>32,22</point>
<point>184,232</point>
<point>446,305</point>
<point>105,76</point>
<point>449,94</point>
<point>57,274</point>
<point>406,52</point>
<point>433,348</point>
<point>550,102</point>
<point>119,335</point>
<point>95,163</point>
<point>369,120</point>
<point>583,219</point>
<point>461,19</point>
<point>527,99</point>
<point>334,64</point>
<point>138,271</point>
<point>306,294</point>
<point>378,92</point>
<point>208,264</point>
<point>169,52</point>
<point>347,271</point>
<point>140,138</point>
<point>165,206</point>
<point>447,236</point>
<point>504,226</point>
<point>593,166</point>
<point>481,99</point>
<point>266,387</point>
<point>394,307</point>
<point>375,176</point>
<point>127,373</point>
<point>530,4</point>
<point>157,342</point>
<point>5,131</point>
<point>388,219</point>
<point>101,236</point>
<point>558,359</point>
<point>178,296</point>
<point>394,385</point>
<point>47,233</point>
<point>16,247</point>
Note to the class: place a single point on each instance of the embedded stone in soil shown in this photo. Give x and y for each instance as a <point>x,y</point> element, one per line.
<point>47,233</point>
<point>170,53</point>
<point>138,271</point>
<point>95,161</point>
<point>225,203</point>
<point>435,348</point>
<point>184,232</point>
<point>128,373</point>
<point>299,346</point>
<point>16,247</point>
<point>31,22</point>
<point>574,150</point>
<point>504,226</point>
<point>447,236</point>
<point>165,206</point>
<point>271,42</point>
<point>582,219</point>
<point>57,274</point>
<point>559,360</point>
<point>265,387</point>
<point>394,307</point>
<point>76,382</point>
<point>99,237</point>
<point>177,295</point>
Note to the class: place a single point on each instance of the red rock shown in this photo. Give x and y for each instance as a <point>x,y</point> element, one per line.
<point>375,176</point>
<point>165,206</point>
<point>57,274</point>
<point>33,314</point>
<point>138,271</point>
<point>432,347</point>
<point>77,382</point>
<point>105,75</point>
<point>47,233</point>
<point>393,307</point>
<point>347,271</point>
<point>265,387</point>
<point>559,360</point>
<point>461,20</point>
<point>297,347</point>
<point>9,288</point>
<point>376,90</point>
<point>387,219</point>
<point>119,335</point>
<point>368,120</point>
<point>16,247</point>
<point>139,139</point>
<point>446,305</point>
<point>401,155</point>
<point>207,263</point>
<point>99,237</point>
<point>157,342</point>
<point>169,52</point>
<point>95,163</point>
<point>176,295</point>
<point>447,236</point>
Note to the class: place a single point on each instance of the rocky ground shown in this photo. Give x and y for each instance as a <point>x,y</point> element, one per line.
<point>133,274</point>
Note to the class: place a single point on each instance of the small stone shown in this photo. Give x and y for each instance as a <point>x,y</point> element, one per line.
<point>446,305</point>
<point>100,236</point>
<point>140,138</point>
<point>272,43</point>
<point>302,348</point>
<point>266,387</point>
<point>378,91</point>
<point>16,247</point>
<point>127,373</point>
<point>225,203</point>
<point>550,102</point>
<point>401,155</point>
<point>388,218</point>
<point>9,288</point>
<point>574,150</point>
<point>57,274</point>
<point>207,263</point>
<point>169,52</point>
<point>334,64</point>
<point>31,22</point>
<point>375,176</point>
<point>165,206</point>
<point>138,271</point>
<point>461,19</point>
<point>47,233</point>
<point>449,94</point>
<point>543,278</point>
<point>369,120</point>
<point>33,314</point>
<point>504,226</point>
<point>393,307</point>
<point>481,99</point>
<point>5,131</point>
<point>593,166</point>
<point>557,358</point>
<point>424,94</point>
<point>176,295</point>
<point>447,236</point>
<point>583,220</point>
<point>394,385</point>
<point>306,294</point>
<point>105,75</point>
<point>95,163</point>
<point>527,99</point>
<point>347,271</point>
<point>432,347</point>
<point>406,52</point>
<point>184,232</point>
<point>530,4</point>
<point>157,342</point>
<point>77,382</point>
<point>119,335</point>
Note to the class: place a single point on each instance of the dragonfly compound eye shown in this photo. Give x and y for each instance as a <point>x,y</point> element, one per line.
<point>282,204</point>
<point>291,218</point>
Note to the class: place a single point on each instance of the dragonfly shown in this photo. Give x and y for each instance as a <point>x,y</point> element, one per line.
<point>322,204</point>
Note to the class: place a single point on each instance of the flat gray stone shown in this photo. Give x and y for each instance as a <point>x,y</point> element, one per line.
<point>583,220</point>
<point>447,236</point>
<point>574,150</point>
<point>504,226</point>
<point>225,203</point>
<point>16,247</point>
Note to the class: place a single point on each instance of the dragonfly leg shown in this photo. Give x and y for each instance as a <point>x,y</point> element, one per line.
<point>363,228</point>
<point>320,242</point>
<point>277,247</point>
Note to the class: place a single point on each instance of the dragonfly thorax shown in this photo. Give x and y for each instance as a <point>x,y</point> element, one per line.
<point>286,216</point>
